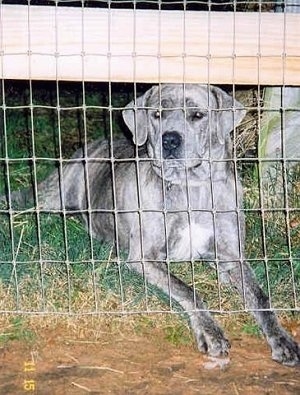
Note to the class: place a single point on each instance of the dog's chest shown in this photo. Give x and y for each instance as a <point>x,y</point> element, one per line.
<point>183,198</point>
<point>186,217</point>
<point>189,241</point>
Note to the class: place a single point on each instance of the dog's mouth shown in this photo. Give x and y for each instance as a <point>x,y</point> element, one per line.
<point>181,163</point>
<point>178,163</point>
<point>175,168</point>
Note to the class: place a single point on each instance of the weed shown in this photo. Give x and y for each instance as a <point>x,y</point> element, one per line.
<point>178,334</point>
<point>18,330</point>
<point>251,329</point>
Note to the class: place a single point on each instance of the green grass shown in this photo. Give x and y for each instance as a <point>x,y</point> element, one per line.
<point>64,259</point>
<point>251,329</point>
<point>273,242</point>
<point>47,264</point>
<point>17,330</point>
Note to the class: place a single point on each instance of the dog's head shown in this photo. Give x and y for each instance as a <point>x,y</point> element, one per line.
<point>183,125</point>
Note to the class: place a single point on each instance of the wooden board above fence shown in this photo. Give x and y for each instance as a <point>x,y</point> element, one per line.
<point>63,43</point>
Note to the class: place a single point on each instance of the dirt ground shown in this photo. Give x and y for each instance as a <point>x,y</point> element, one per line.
<point>137,363</point>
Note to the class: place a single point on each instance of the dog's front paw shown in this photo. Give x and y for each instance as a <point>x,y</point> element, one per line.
<point>214,344</point>
<point>285,350</point>
<point>218,346</point>
<point>201,342</point>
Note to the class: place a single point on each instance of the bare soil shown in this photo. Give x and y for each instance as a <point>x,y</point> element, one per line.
<point>124,362</point>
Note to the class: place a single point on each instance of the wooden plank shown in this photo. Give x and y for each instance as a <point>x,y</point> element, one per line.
<point>64,43</point>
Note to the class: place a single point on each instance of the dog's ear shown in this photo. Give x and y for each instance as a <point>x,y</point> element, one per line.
<point>230,112</point>
<point>135,116</point>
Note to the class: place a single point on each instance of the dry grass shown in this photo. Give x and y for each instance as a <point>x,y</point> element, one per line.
<point>247,132</point>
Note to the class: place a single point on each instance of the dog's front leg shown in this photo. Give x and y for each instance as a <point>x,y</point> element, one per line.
<point>209,336</point>
<point>284,349</point>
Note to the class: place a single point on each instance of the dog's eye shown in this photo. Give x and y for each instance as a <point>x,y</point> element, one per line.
<point>198,115</point>
<point>157,114</point>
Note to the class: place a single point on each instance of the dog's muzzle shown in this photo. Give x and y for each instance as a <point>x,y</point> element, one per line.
<point>171,145</point>
<point>175,160</point>
<point>173,152</point>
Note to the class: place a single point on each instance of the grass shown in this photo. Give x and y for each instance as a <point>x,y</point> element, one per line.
<point>48,265</point>
<point>17,330</point>
<point>273,234</point>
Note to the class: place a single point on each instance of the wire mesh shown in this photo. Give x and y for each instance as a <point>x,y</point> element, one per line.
<point>51,262</point>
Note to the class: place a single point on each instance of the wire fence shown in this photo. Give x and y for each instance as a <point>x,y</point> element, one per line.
<point>65,243</point>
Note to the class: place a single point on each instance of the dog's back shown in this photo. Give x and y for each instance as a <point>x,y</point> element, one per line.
<point>66,188</point>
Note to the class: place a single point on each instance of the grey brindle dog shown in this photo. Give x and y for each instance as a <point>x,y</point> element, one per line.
<point>171,195</point>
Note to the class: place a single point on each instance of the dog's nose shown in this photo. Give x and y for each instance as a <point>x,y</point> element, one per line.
<point>170,142</point>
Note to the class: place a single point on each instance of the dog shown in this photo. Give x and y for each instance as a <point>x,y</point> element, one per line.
<point>170,194</point>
